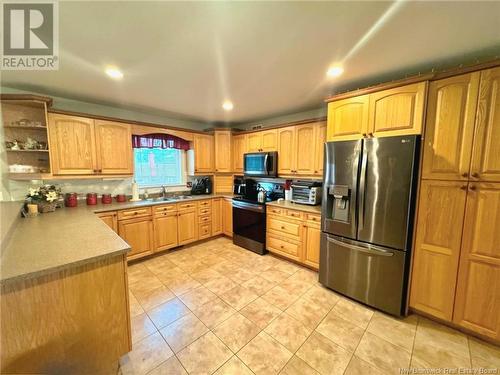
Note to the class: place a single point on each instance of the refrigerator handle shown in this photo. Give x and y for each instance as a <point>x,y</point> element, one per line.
<point>362,182</point>
<point>370,250</point>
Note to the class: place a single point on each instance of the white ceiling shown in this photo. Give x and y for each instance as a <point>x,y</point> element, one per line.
<point>269,58</point>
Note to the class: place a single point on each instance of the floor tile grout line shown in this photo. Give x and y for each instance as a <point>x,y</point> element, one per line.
<point>414,340</point>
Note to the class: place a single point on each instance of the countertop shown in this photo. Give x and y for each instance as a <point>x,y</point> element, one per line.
<point>296,206</point>
<point>62,239</point>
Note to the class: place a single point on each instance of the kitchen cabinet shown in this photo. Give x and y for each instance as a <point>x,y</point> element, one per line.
<point>287,150</point>
<point>449,131</point>
<point>477,302</point>
<point>165,230</point>
<point>312,238</point>
<point>204,219</point>
<point>262,141</point>
<point>397,111</point>
<point>485,165</point>
<point>348,119</point>
<point>437,247</point>
<point>223,183</point>
<point>239,149</point>
<point>138,233</point>
<point>187,223</point>
<point>223,151</point>
<point>203,153</point>
<point>319,148</point>
<point>113,147</point>
<point>110,219</point>
<point>227,217</point>
<point>82,146</point>
<point>305,137</point>
<point>254,142</point>
<point>217,217</point>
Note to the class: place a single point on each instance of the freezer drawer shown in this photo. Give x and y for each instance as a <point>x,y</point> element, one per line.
<point>370,274</point>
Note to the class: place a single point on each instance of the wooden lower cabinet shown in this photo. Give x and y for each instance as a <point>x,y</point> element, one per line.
<point>165,231</point>
<point>311,243</point>
<point>217,216</point>
<point>138,233</point>
<point>477,304</point>
<point>227,217</point>
<point>187,226</point>
<point>110,219</point>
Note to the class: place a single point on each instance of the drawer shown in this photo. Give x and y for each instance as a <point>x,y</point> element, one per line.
<point>164,208</point>
<point>294,214</point>
<point>204,231</point>
<point>275,210</point>
<point>283,226</point>
<point>204,210</point>
<point>132,213</point>
<point>204,219</point>
<point>186,206</point>
<point>313,218</point>
<point>207,203</point>
<point>283,246</point>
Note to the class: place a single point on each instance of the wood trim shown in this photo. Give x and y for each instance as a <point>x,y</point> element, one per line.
<point>431,76</point>
<point>145,129</point>
<point>35,98</point>
<point>283,125</point>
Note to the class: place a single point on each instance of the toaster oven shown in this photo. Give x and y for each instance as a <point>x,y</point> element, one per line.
<point>306,193</point>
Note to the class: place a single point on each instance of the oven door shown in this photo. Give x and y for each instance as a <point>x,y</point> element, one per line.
<point>249,226</point>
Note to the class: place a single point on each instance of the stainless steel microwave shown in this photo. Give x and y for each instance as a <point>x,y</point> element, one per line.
<point>261,164</point>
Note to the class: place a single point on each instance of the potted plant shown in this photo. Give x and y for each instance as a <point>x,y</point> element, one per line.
<point>45,196</point>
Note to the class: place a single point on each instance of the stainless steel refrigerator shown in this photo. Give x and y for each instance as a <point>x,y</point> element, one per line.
<point>367,219</point>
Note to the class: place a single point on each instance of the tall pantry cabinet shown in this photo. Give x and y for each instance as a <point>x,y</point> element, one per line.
<point>456,269</point>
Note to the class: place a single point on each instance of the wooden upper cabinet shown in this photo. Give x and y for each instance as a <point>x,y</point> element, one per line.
<point>287,150</point>
<point>72,145</point>
<point>485,164</point>
<point>477,303</point>
<point>239,149</point>
<point>319,148</point>
<point>269,140</point>
<point>305,136</point>
<point>223,151</point>
<point>437,247</point>
<point>397,111</point>
<point>113,147</point>
<point>254,142</point>
<point>347,119</point>
<point>451,112</point>
<point>203,153</point>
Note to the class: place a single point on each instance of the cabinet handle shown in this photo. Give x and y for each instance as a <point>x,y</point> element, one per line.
<point>95,170</point>
<point>371,135</point>
<point>365,135</point>
<point>465,174</point>
<point>475,175</point>
<point>281,246</point>
<point>282,227</point>
<point>463,187</point>
<point>472,187</point>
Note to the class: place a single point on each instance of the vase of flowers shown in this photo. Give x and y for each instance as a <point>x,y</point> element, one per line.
<point>45,196</point>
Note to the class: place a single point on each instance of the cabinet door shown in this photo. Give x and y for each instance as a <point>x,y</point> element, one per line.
<point>165,231</point>
<point>239,148</point>
<point>347,119</point>
<point>223,151</point>
<point>486,150</point>
<point>397,111</point>
<point>110,219</point>
<point>187,227</point>
<point>72,145</point>
<point>203,153</point>
<point>319,148</point>
<point>449,130</point>
<point>437,247</point>
<point>217,216</point>
<point>477,305</point>
<point>311,240</point>
<point>287,150</point>
<point>269,140</point>
<point>305,140</point>
<point>254,142</point>
<point>138,233</point>
<point>227,217</point>
<point>114,147</point>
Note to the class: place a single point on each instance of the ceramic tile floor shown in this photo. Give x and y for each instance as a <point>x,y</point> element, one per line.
<point>215,308</point>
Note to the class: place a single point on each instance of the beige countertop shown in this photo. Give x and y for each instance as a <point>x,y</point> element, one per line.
<point>296,206</point>
<point>65,238</point>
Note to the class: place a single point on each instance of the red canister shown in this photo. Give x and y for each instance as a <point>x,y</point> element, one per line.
<point>91,199</point>
<point>71,200</point>
<point>121,198</point>
<point>106,199</point>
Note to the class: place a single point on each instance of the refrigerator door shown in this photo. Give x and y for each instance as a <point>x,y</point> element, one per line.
<point>370,274</point>
<point>386,191</point>
<point>340,187</point>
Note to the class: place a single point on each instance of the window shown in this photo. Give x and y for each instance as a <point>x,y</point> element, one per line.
<point>158,166</point>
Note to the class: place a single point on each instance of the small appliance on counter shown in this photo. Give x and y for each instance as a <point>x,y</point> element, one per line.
<point>239,186</point>
<point>306,192</point>
<point>202,185</point>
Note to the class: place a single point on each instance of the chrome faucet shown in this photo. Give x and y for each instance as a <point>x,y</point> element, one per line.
<point>163,191</point>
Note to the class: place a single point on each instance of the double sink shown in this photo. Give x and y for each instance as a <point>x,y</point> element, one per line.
<point>170,199</point>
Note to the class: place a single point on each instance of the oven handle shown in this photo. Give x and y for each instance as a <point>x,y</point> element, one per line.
<point>248,206</point>
<point>371,250</point>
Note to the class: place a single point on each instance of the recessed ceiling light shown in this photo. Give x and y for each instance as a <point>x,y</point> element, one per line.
<point>335,71</point>
<point>227,105</point>
<point>114,72</point>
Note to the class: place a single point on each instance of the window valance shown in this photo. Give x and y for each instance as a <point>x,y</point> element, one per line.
<point>159,140</point>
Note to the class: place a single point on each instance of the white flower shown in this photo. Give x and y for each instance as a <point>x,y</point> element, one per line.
<point>51,196</point>
<point>33,191</point>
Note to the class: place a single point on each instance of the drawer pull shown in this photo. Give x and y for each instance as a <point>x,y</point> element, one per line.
<point>282,227</point>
